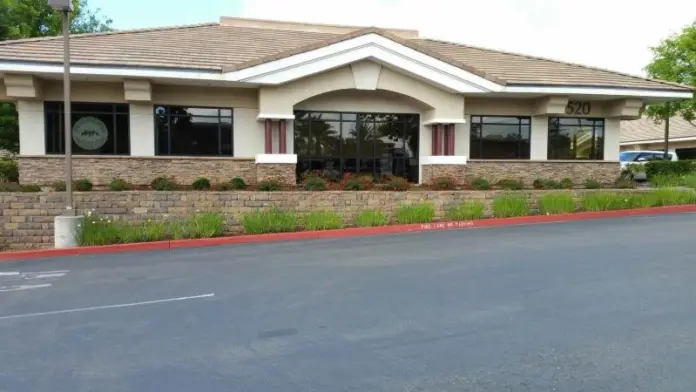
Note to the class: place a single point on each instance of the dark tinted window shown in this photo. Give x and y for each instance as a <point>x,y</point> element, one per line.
<point>497,137</point>
<point>376,143</point>
<point>576,138</point>
<point>97,128</point>
<point>193,131</point>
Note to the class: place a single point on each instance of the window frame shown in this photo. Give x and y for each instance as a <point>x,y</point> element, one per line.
<point>596,153</point>
<point>219,117</point>
<point>480,137</point>
<point>57,109</point>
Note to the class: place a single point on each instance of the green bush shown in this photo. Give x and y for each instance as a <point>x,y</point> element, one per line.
<point>103,231</point>
<point>271,221</point>
<point>510,204</point>
<point>59,186</point>
<point>625,183</point>
<point>270,185</point>
<point>468,210</point>
<point>360,182</point>
<point>83,185</point>
<point>9,171</point>
<point>321,220</point>
<point>539,183</point>
<point>10,187</point>
<point>371,218</point>
<point>592,184</point>
<point>662,167</point>
<point>416,213</point>
<point>30,188</point>
<point>163,184</point>
<point>565,183</point>
<point>556,203</point>
<point>314,182</point>
<point>201,184</point>
<point>480,184</point>
<point>238,183</point>
<point>444,183</point>
<point>510,184</point>
<point>396,183</point>
<point>118,185</point>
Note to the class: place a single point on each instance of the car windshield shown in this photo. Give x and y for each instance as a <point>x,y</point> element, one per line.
<point>628,156</point>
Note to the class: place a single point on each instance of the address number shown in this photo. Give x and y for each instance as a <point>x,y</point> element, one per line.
<point>578,107</point>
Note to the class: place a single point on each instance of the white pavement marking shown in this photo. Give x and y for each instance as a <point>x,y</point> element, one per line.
<point>159,301</point>
<point>23,287</point>
<point>9,273</point>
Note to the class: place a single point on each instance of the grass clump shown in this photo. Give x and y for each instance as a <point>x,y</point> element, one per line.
<point>556,203</point>
<point>592,184</point>
<point>163,184</point>
<point>604,201</point>
<point>480,184</point>
<point>444,183</point>
<point>510,205</point>
<point>510,184</point>
<point>201,184</point>
<point>321,220</point>
<point>269,221</point>
<point>671,197</point>
<point>468,210</point>
<point>30,188</point>
<point>371,218</point>
<point>416,213</point>
<point>118,185</point>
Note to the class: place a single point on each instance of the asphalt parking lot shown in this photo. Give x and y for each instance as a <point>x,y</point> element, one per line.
<point>604,305</point>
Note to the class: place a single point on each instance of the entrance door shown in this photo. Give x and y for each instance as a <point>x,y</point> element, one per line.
<point>335,143</point>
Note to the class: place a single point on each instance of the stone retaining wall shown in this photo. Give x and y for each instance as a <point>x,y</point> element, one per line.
<point>26,219</point>
<point>46,170</point>
<point>606,172</point>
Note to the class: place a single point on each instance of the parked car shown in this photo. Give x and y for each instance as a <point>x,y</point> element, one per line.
<point>641,157</point>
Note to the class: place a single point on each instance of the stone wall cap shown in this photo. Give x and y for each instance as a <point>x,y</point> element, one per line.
<point>160,157</point>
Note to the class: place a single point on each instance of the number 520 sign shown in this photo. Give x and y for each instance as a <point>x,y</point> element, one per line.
<point>575,108</point>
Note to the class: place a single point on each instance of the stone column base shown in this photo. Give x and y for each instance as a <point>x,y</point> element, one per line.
<point>281,167</point>
<point>444,166</point>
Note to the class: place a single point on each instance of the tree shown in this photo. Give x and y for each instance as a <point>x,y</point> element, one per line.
<point>674,60</point>
<point>35,18</point>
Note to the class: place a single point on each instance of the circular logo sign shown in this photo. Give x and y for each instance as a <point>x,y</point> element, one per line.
<point>90,133</point>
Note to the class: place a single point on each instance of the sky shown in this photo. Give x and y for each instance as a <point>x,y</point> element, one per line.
<point>611,34</point>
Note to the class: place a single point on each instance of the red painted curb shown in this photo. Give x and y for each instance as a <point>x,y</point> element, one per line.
<point>342,233</point>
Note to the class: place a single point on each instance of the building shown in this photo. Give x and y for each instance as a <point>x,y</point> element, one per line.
<point>259,99</point>
<point>646,134</point>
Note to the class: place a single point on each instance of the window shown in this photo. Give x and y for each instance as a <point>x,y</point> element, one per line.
<point>97,128</point>
<point>376,143</point>
<point>193,131</point>
<point>576,138</point>
<point>497,137</point>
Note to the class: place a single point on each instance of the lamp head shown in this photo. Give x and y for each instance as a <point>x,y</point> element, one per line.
<point>61,5</point>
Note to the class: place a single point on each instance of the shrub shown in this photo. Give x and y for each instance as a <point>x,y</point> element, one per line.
<point>359,182</point>
<point>30,188</point>
<point>566,183</point>
<point>539,183</point>
<point>238,183</point>
<point>270,185</point>
<point>592,184</point>
<point>604,201</point>
<point>118,184</point>
<point>321,220</point>
<point>480,184</point>
<point>396,183</point>
<point>9,171</point>
<point>205,225</point>
<point>671,197</point>
<point>510,204</point>
<point>416,213</point>
<point>313,181</point>
<point>271,221</point>
<point>657,167</point>
<point>59,186</point>
<point>201,184</point>
<point>544,183</point>
<point>625,183</point>
<point>467,210</point>
<point>83,185</point>
<point>444,183</point>
<point>510,184</point>
<point>371,218</point>
<point>10,187</point>
<point>163,184</point>
<point>556,203</point>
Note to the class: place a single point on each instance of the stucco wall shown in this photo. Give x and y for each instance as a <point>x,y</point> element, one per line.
<point>32,139</point>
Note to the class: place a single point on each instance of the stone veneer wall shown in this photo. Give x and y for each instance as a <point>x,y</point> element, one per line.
<point>46,170</point>
<point>26,219</point>
<point>606,172</point>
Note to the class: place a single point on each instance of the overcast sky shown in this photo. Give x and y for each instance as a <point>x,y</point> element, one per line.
<point>613,34</point>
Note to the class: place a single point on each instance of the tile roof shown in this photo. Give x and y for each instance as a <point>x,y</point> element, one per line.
<point>219,47</point>
<point>645,129</point>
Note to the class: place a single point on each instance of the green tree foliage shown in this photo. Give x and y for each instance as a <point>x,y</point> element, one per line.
<point>34,18</point>
<point>674,60</point>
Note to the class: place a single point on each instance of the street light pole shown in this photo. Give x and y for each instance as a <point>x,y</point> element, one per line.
<point>69,207</point>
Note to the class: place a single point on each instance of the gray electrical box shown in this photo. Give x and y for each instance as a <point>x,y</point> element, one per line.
<point>61,5</point>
